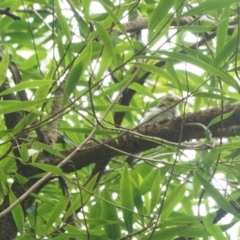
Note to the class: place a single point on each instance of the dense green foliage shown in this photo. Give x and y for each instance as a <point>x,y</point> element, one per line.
<point>91,69</point>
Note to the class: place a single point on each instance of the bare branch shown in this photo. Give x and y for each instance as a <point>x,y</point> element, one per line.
<point>6,12</point>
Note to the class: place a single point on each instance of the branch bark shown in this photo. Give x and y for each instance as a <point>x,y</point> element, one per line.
<point>168,129</point>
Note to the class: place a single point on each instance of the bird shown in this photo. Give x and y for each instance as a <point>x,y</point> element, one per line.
<point>166,108</point>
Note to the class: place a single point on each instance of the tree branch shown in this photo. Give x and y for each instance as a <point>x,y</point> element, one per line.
<point>6,12</point>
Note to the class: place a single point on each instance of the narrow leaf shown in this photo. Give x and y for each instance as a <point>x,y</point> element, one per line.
<point>207,6</point>
<point>15,106</point>
<point>109,212</point>
<point>155,192</point>
<point>222,29</point>
<point>82,196</point>
<point>24,153</point>
<point>26,85</point>
<point>17,213</point>
<point>106,40</point>
<point>78,69</point>
<point>147,182</point>
<point>62,21</point>
<point>217,196</point>
<point>48,168</point>
<point>142,90</point>
<point>205,66</point>
<point>214,230</point>
<point>126,199</point>
<point>4,67</point>
<point>58,209</point>
<point>226,51</point>
<point>160,12</point>
<point>219,118</point>
<point>172,200</point>
<point>153,69</point>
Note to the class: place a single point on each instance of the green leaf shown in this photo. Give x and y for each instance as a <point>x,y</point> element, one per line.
<point>49,149</point>
<point>207,6</point>
<point>213,229</point>
<point>82,196</point>
<point>44,90</point>
<point>106,60</point>
<point>4,67</point>
<point>222,29</point>
<point>24,153</point>
<point>196,29</point>
<point>114,16</point>
<point>47,168</point>
<point>142,90</point>
<point>26,85</point>
<point>57,210</point>
<point>21,179</point>
<point>61,49</point>
<point>138,201</point>
<point>139,48</point>
<point>155,191</point>
<point>17,213</point>
<point>217,196</point>
<point>3,176</point>
<point>33,61</point>
<point>167,234</point>
<point>83,27</point>
<point>205,66</point>
<point>107,43</point>
<point>174,76</point>
<point>160,12</point>
<point>226,51</point>
<point>79,66</point>
<point>15,106</point>
<point>116,108</point>
<point>126,199</point>
<point>87,131</point>
<point>232,148</point>
<point>146,185</point>
<point>86,5</point>
<point>153,69</point>
<point>196,186</point>
<point>172,200</point>
<point>212,96</point>
<point>109,212</point>
<point>115,87</point>
<point>62,21</point>
<point>219,118</point>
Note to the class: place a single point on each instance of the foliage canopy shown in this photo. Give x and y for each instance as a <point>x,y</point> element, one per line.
<point>75,79</point>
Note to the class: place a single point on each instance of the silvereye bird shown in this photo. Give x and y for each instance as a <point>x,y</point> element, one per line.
<point>167,108</point>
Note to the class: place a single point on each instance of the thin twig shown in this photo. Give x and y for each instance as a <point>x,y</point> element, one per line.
<point>7,12</point>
